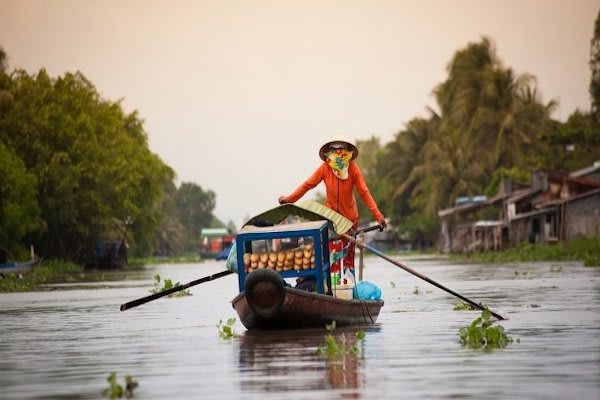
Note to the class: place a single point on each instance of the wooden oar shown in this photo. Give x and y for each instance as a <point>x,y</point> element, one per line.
<point>415,273</point>
<point>135,303</point>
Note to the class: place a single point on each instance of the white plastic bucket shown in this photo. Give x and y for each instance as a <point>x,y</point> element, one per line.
<point>343,291</point>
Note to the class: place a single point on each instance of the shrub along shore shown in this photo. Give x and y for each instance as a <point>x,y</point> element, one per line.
<point>58,271</point>
<point>586,250</point>
<point>48,271</point>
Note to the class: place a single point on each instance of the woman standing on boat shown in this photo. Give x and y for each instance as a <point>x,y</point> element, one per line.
<point>341,175</point>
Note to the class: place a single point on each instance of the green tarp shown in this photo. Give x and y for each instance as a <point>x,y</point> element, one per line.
<point>309,210</point>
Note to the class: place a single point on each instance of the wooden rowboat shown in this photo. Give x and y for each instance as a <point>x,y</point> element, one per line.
<point>17,267</point>
<point>267,303</point>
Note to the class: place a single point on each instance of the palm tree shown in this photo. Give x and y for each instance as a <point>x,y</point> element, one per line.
<point>497,111</point>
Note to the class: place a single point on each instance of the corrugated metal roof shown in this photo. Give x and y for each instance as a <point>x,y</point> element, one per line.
<point>521,195</point>
<point>460,209</point>
<point>533,213</point>
<point>214,232</point>
<point>570,199</point>
<point>483,224</point>
<point>587,170</point>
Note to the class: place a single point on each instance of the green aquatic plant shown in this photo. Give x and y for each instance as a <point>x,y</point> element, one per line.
<point>226,329</point>
<point>583,249</point>
<point>116,391</point>
<point>168,284</point>
<point>482,335</point>
<point>335,348</point>
<point>462,306</point>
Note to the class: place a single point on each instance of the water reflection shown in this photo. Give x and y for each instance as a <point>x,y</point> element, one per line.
<point>288,361</point>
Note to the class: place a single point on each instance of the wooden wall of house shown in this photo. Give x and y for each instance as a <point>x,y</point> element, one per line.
<point>444,239</point>
<point>462,236</point>
<point>519,231</point>
<point>582,217</point>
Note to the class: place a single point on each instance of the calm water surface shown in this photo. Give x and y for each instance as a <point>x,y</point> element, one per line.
<point>62,344</point>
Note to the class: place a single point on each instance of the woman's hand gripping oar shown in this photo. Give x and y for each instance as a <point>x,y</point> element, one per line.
<point>135,303</point>
<point>415,273</point>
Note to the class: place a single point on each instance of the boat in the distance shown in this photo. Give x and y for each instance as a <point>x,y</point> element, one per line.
<point>17,268</point>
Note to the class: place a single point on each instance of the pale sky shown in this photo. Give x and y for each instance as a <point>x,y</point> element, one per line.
<point>237,96</point>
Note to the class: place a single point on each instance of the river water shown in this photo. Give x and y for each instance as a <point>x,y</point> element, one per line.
<point>63,343</point>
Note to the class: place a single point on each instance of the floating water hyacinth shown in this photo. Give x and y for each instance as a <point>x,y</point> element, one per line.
<point>226,329</point>
<point>462,306</point>
<point>482,335</point>
<point>116,391</point>
<point>335,348</point>
<point>168,284</point>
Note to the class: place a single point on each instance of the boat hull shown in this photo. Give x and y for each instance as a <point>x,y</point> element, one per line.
<point>17,267</point>
<point>293,308</point>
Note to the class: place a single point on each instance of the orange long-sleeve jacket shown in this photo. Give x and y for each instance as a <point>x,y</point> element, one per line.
<point>339,192</point>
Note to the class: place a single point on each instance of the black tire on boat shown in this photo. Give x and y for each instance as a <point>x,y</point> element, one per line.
<point>264,289</point>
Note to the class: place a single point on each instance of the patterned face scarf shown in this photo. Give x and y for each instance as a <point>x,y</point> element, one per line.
<point>339,160</point>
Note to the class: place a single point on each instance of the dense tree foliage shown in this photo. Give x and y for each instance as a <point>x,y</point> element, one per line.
<point>91,161</point>
<point>171,235</point>
<point>571,145</point>
<point>194,208</point>
<point>595,70</point>
<point>370,151</point>
<point>489,120</point>
<point>19,210</point>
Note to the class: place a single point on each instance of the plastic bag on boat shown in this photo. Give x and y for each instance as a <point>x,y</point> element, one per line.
<point>348,278</point>
<point>231,263</point>
<point>368,291</point>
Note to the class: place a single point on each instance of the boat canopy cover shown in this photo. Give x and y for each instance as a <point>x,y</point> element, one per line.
<point>309,210</point>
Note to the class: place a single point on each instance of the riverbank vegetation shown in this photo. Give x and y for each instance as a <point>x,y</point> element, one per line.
<point>73,163</point>
<point>59,271</point>
<point>586,250</point>
<point>52,271</point>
